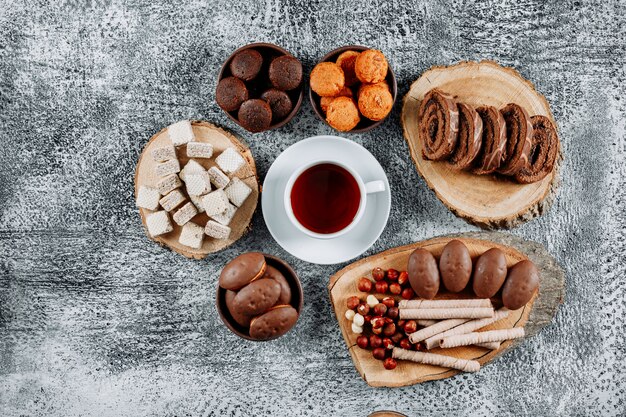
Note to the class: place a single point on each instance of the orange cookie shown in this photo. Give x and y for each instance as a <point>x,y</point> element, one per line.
<point>375,101</point>
<point>343,114</point>
<point>325,101</point>
<point>327,79</point>
<point>371,66</point>
<point>346,61</point>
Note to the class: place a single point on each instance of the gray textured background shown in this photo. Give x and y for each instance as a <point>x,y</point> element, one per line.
<point>97,320</point>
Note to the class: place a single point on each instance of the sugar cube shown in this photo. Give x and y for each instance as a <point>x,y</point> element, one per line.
<point>168,184</point>
<point>191,167</point>
<point>218,178</point>
<point>197,201</point>
<point>198,184</point>
<point>225,217</point>
<point>185,213</point>
<point>216,230</point>
<point>163,169</point>
<point>164,153</point>
<point>148,198</point>
<point>215,202</point>
<point>192,235</point>
<point>199,150</point>
<point>158,223</point>
<point>230,160</point>
<point>237,191</point>
<point>172,200</point>
<point>180,133</point>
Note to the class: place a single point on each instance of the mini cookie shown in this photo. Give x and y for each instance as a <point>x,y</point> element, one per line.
<point>241,319</point>
<point>346,60</point>
<point>257,297</point>
<point>255,115</point>
<point>371,66</point>
<point>231,92</point>
<point>327,79</point>
<point>325,101</point>
<point>489,273</point>
<point>275,323</point>
<point>242,270</point>
<point>520,285</point>
<point>279,102</point>
<point>455,266</point>
<point>285,289</point>
<point>285,72</point>
<point>343,114</point>
<point>375,101</point>
<point>246,64</point>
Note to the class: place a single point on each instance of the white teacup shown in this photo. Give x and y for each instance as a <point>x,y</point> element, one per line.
<point>364,189</point>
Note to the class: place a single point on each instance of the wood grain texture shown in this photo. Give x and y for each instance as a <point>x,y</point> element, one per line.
<point>95,319</point>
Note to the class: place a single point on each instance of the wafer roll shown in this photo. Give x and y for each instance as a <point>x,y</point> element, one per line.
<point>482,337</point>
<point>468,327</point>
<point>438,118</point>
<point>426,323</point>
<point>490,345</point>
<point>446,313</point>
<point>437,360</point>
<point>411,304</point>
<point>435,329</point>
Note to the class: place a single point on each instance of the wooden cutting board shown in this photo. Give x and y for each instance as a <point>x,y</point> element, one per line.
<point>533,317</point>
<point>489,201</point>
<point>220,139</point>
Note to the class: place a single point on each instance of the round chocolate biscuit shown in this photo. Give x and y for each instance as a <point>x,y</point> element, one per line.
<point>285,72</point>
<point>242,270</point>
<point>279,102</point>
<point>255,115</point>
<point>230,93</point>
<point>275,323</point>
<point>520,285</point>
<point>246,64</point>
<point>257,297</point>
<point>455,266</point>
<point>423,273</point>
<point>489,273</point>
<point>285,289</point>
<point>242,319</point>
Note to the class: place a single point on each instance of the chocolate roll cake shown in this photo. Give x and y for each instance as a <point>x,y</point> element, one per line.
<point>543,152</point>
<point>469,139</point>
<point>438,119</point>
<point>519,134</point>
<point>493,140</point>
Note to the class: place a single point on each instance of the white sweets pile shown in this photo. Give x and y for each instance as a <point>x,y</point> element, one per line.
<point>197,195</point>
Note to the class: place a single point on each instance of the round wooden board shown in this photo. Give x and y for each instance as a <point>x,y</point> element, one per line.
<point>220,139</point>
<point>533,317</point>
<point>489,201</point>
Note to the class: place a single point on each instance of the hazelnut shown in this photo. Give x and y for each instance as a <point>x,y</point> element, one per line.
<point>367,318</point>
<point>392,274</point>
<point>377,322</point>
<point>377,330</point>
<point>371,300</point>
<point>395,288</point>
<point>401,323</point>
<point>389,301</point>
<point>378,274</point>
<point>388,320</point>
<point>380,309</point>
<point>388,343</point>
<point>362,341</point>
<point>390,363</point>
<point>392,312</point>
<point>408,293</point>
<point>389,329</point>
<point>410,326</point>
<point>358,320</point>
<point>379,353</point>
<point>353,302</point>
<point>363,309</point>
<point>381,287</point>
<point>365,285</point>
<point>375,341</point>
<point>403,278</point>
<point>404,343</point>
<point>350,314</point>
<point>421,346</point>
<point>397,336</point>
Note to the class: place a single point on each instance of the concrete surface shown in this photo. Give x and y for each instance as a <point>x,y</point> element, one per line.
<point>97,320</point>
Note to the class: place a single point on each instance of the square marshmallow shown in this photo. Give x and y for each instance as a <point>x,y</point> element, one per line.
<point>192,235</point>
<point>199,150</point>
<point>148,198</point>
<point>237,191</point>
<point>180,133</point>
<point>218,178</point>
<point>163,169</point>
<point>172,200</point>
<point>185,213</point>
<point>225,217</point>
<point>216,230</point>
<point>198,184</point>
<point>192,167</point>
<point>168,184</point>
<point>215,202</point>
<point>230,160</point>
<point>158,223</point>
<point>164,153</point>
<point>197,201</point>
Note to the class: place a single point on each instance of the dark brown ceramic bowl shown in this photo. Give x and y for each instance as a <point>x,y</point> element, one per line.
<point>256,87</point>
<point>297,297</point>
<point>365,124</point>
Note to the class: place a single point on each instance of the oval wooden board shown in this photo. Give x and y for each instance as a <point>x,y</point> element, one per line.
<point>220,139</point>
<point>534,316</point>
<point>489,201</point>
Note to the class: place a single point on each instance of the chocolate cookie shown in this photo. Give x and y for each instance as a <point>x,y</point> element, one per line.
<point>285,72</point>
<point>242,270</point>
<point>255,115</point>
<point>230,93</point>
<point>285,289</point>
<point>455,266</point>
<point>242,319</point>
<point>257,297</point>
<point>489,273</point>
<point>279,102</point>
<point>246,64</point>
<point>275,323</point>
<point>520,285</point>
<point>423,273</point>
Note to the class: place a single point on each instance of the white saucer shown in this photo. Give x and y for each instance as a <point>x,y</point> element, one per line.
<point>325,251</point>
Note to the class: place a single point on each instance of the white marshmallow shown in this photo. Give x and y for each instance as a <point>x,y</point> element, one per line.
<point>357,329</point>
<point>371,300</point>
<point>158,223</point>
<point>350,314</point>
<point>180,133</point>
<point>148,198</point>
<point>358,319</point>
<point>192,235</point>
<point>230,160</point>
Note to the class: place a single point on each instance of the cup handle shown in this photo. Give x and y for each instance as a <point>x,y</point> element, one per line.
<point>374,187</point>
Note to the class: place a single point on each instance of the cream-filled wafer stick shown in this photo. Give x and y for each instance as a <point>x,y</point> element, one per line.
<point>482,337</point>
<point>482,302</point>
<point>437,360</point>
<point>426,323</point>
<point>490,345</point>
<point>470,326</point>
<point>435,329</point>
<point>445,313</point>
